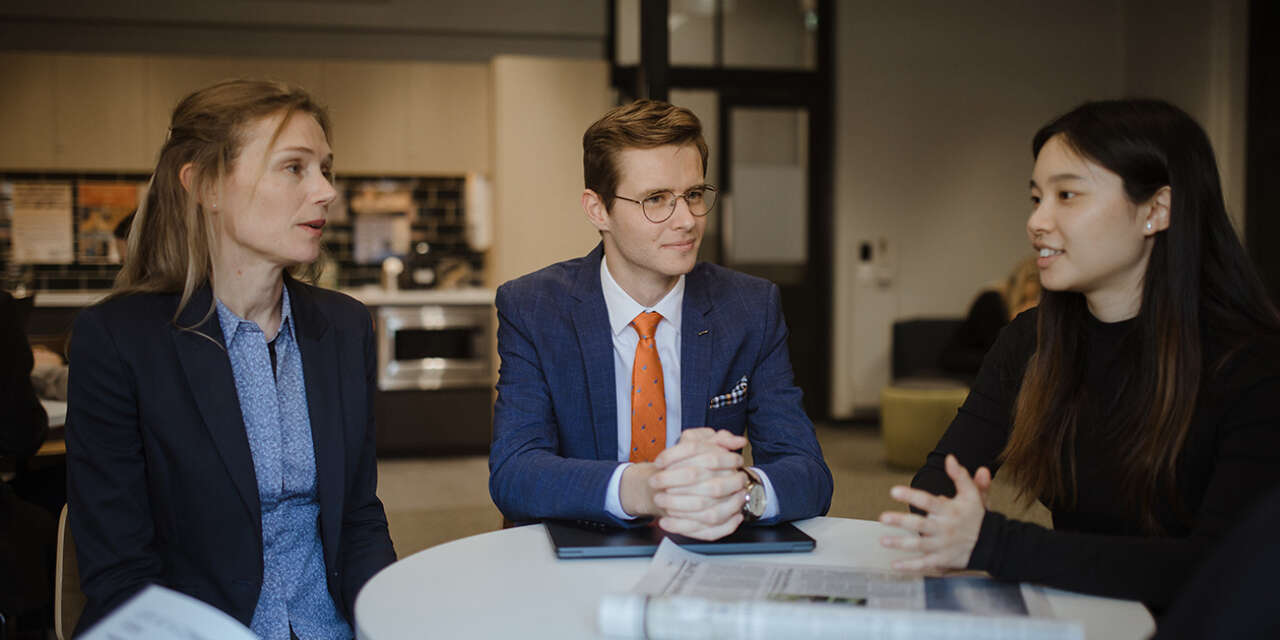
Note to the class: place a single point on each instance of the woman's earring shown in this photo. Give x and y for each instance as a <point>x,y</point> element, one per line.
<point>1148,224</point>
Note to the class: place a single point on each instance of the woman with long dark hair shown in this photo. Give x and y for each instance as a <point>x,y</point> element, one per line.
<point>1138,402</point>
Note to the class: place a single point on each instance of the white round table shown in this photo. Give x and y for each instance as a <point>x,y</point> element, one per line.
<point>506,583</point>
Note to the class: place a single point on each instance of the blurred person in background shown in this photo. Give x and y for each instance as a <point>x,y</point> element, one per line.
<point>989,313</point>
<point>50,372</point>
<point>28,533</point>
<point>121,235</point>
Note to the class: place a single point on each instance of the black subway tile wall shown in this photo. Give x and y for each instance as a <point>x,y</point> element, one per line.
<point>438,218</point>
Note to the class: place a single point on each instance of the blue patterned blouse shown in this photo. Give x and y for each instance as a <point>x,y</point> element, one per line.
<point>273,402</point>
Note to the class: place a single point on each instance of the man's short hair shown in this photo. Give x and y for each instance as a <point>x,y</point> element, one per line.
<point>643,124</point>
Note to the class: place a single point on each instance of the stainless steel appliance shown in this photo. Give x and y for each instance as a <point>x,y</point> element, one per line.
<point>435,379</point>
<point>434,346</point>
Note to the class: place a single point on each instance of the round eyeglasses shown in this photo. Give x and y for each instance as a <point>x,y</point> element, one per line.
<point>659,206</point>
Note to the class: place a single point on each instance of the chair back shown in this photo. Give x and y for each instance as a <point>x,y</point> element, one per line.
<point>24,307</point>
<point>68,599</point>
<point>917,345</point>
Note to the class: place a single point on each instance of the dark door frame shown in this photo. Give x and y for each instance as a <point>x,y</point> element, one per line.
<point>813,89</point>
<point>1262,144</point>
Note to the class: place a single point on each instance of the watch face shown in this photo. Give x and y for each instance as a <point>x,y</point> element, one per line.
<point>756,499</point>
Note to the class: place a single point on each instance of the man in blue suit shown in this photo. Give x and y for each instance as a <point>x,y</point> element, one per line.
<point>630,376</point>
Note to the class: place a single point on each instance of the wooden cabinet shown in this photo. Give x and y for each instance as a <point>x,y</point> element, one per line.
<point>449,122</point>
<point>170,79</point>
<point>98,114</point>
<point>111,113</point>
<point>369,105</point>
<point>26,111</point>
<point>72,113</point>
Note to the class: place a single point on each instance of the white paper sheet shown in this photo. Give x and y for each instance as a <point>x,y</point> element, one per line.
<point>157,613</point>
<point>689,595</point>
<point>41,227</point>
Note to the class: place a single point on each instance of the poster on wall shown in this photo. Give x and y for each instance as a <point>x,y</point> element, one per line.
<point>41,225</point>
<point>100,207</point>
<point>383,212</point>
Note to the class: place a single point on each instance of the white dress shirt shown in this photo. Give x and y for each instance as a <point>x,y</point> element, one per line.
<point>622,310</point>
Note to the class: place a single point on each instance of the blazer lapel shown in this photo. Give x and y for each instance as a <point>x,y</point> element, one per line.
<point>321,366</point>
<point>695,350</point>
<point>591,324</point>
<point>203,355</point>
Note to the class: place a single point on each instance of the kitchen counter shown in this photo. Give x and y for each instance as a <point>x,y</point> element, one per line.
<point>435,362</point>
<point>379,297</point>
<point>370,296</point>
<point>69,298</point>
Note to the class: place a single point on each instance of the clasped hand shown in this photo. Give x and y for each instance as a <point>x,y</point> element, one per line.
<point>697,486</point>
<point>945,537</point>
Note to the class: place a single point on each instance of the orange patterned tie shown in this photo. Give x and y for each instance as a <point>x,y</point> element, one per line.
<point>648,402</point>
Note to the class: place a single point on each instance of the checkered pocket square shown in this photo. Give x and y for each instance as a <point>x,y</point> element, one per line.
<point>734,396</point>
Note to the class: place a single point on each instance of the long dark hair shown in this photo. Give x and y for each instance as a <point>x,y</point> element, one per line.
<point>1198,279</point>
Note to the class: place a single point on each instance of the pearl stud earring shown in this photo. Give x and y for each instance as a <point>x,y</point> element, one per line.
<point>1148,224</point>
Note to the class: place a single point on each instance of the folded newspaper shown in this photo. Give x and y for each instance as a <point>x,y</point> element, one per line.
<point>689,595</point>
<point>157,613</point>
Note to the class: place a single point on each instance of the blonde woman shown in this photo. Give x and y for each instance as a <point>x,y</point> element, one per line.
<point>220,438</point>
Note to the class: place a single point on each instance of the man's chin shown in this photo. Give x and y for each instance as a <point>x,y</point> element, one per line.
<point>678,268</point>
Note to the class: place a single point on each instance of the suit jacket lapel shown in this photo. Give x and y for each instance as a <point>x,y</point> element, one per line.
<point>595,339</point>
<point>203,355</point>
<point>321,367</point>
<point>696,337</point>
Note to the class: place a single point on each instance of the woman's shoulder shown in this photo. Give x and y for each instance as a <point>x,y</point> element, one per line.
<point>1019,336</point>
<point>1242,361</point>
<point>124,323</point>
<point>1012,349</point>
<point>339,308</point>
<point>138,311</point>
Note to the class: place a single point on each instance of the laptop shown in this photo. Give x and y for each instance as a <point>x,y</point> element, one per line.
<point>581,539</point>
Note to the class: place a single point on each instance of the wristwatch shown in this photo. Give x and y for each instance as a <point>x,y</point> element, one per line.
<point>757,499</point>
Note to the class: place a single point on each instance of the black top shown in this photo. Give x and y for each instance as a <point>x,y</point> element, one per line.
<point>1230,460</point>
<point>23,423</point>
<point>1233,594</point>
<point>973,339</point>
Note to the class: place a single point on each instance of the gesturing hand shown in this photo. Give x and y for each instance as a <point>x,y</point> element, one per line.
<point>946,536</point>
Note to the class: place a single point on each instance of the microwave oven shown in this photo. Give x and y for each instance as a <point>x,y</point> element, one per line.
<point>434,346</point>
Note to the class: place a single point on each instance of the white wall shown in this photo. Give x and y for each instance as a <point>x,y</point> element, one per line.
<point>1194,53</point>
<point>936,104</point>
<point>541,108</point>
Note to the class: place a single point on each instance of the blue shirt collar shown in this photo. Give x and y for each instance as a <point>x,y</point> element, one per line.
<point>231,322</point>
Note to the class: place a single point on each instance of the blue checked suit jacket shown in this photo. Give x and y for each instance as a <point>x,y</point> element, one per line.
<point>555,433</point>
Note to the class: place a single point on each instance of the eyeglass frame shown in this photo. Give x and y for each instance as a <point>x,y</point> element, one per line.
<point>675,198</point>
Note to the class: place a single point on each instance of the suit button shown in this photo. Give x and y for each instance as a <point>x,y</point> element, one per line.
<point>333,574</point>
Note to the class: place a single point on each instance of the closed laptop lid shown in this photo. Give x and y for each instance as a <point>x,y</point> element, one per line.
<point>581,539</point>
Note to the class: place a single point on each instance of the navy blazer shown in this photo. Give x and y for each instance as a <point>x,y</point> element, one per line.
<point>160,480</point>
<point>555,430</point>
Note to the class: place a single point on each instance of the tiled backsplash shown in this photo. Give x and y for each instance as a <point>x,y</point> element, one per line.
<point>440,221</point>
